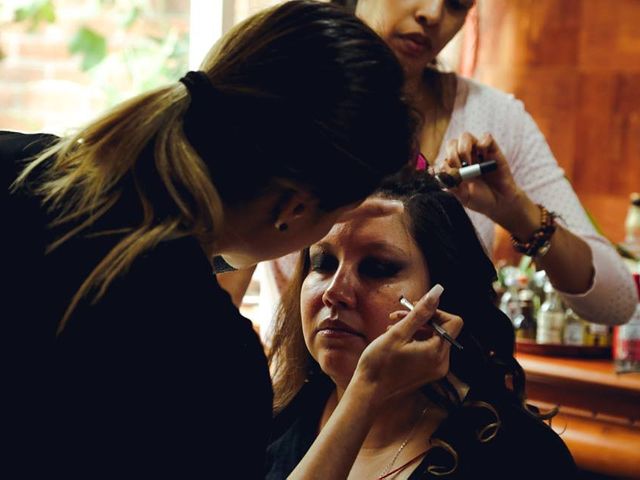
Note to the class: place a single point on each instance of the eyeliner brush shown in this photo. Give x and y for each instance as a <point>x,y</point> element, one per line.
<point>439,330</point>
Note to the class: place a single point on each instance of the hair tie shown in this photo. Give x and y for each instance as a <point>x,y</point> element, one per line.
<point>197,119</point>
<point>199,85</point>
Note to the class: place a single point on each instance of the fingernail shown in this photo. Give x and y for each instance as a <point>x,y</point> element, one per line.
<point>433,295</point>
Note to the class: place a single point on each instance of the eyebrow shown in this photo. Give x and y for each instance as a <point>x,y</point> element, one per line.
<point>386,247</point>
<point>375,246</point>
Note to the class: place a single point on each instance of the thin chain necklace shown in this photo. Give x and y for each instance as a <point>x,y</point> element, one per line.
<point>404,444</point>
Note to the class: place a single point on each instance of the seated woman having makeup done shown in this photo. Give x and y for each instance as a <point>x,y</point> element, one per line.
<point>344,295</point>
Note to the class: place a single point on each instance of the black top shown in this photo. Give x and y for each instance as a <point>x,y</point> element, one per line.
<point>524,447</point>
<point>161,376</point>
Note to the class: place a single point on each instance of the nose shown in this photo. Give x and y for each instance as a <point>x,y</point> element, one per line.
<point>429,12</point>
<point>340,293</point>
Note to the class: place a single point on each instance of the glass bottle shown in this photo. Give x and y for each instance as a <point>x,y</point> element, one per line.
<point>550,317</point>
<point>601,334</point>
<point>525,321</point>
<point>632,226</point>
<point>509,302</point>
<point>575,329</point>
<point>626,343</point>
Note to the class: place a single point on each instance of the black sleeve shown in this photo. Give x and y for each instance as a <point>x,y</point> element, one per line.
<point>534,449</point>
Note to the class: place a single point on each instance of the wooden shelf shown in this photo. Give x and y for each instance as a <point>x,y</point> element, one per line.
<point>599,417</point>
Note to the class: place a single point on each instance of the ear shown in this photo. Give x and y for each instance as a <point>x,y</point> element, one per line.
<point>294,205</point>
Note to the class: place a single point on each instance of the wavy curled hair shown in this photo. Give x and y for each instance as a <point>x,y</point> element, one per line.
<point>455,259</point>
<point>302,90</point>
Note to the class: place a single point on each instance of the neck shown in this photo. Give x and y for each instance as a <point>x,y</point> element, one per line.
<point>419,88</point>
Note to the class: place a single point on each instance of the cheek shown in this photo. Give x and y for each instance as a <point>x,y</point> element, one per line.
<point>310,305</point>
<point>450,30</point>
<point>382,301</point>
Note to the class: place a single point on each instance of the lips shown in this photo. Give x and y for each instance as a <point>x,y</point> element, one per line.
<point>413,44</point>
<point>334,327</point>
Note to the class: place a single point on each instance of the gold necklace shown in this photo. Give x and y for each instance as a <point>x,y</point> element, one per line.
<point>404,444</point>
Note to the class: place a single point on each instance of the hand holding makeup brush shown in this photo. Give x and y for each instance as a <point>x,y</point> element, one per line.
<point>397,362</point>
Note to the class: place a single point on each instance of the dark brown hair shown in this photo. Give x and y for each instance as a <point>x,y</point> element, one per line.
<point>304,92</point>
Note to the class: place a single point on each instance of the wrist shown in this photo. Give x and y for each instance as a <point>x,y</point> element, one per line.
<point>539,242</point>
<point>364,391</point>
<point>522,217</point>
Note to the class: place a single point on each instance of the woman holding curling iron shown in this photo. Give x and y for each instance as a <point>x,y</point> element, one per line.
<point>528,194</point>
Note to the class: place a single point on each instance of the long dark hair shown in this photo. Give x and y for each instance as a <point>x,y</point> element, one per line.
<point>456,259</point>
<point>303,91</point>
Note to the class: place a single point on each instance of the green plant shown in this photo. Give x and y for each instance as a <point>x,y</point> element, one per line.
<point>147,60</point>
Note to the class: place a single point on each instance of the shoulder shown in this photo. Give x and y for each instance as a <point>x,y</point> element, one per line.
<point>476,100</point>
<point>168,296</point>
<point>295,429</point>
<point>16,148</point>
<point>476,92</point>
<point>530,438</point>
<point>23,145</point>
<point>523,446</point>
<point>480,108</point>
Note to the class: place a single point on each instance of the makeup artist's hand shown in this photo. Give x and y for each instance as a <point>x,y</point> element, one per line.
<point>494,194</point>
<point>397,362</point>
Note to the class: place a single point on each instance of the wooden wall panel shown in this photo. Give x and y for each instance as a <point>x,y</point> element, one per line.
<point>576,65</point>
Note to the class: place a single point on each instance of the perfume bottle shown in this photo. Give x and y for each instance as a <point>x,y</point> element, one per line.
<point>575,329</point>
<point>551,317</point>
<point>626,340</point>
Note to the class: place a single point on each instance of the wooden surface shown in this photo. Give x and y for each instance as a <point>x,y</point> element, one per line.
<point>599,417</point>
<point>576,66</point>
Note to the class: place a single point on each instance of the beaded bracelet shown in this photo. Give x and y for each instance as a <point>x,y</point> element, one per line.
<point>540,240</point>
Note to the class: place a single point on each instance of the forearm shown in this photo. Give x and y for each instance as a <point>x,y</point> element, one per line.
<point>336,447</point>
<point>568,262</point>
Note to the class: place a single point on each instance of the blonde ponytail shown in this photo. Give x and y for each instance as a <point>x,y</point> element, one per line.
<point>85,179</point>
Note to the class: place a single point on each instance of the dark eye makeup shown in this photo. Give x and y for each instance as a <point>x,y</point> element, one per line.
<point>372,267</point>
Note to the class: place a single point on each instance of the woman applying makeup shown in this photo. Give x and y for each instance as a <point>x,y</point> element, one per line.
<point>457,114</point>
<point>122,357</point>
<point>344,297</point>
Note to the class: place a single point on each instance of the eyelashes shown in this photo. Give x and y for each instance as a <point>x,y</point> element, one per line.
<point>461,4</point>
<point>373,268</point>
<point>323,262</point>
<point>368,267</point>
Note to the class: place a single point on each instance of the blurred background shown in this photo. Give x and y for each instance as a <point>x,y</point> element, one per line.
<point>574,63</point>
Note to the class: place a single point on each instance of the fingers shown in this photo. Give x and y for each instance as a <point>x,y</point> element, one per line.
<point>435,349</point>
<point>395,317</point>
<point>461,151</point>
<point>451,323</point>
<point>452,159</point>
<point>423,310</point>
<point>491,151</point>
<point>466,144</point>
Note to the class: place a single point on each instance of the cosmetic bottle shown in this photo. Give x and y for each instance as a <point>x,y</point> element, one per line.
<point>551,317</point>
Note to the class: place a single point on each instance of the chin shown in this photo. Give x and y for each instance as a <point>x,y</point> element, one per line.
<point>340,370</point>
<point>240,262</point>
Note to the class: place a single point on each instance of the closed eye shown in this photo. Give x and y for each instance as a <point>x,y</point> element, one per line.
<point>323,262</point>
<point>375,268</point>
<point>460,4</point>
